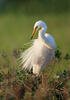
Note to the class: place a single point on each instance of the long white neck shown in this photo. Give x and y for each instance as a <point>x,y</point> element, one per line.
<point>42,34</point>
<point>43,38</point>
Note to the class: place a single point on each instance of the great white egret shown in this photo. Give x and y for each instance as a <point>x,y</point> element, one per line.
<point>42,51</point>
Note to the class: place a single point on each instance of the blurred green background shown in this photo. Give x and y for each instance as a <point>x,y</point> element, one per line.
<point>17,18</point>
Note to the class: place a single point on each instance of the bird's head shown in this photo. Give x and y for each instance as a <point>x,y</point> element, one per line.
<point>39,25</point>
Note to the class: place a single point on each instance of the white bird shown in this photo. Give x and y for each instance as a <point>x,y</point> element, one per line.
<point>42,50</point>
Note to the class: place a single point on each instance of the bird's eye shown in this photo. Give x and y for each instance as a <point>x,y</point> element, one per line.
<point>36,27</point>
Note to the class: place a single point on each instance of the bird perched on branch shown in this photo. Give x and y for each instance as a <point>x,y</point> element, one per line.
<point>42,50</point>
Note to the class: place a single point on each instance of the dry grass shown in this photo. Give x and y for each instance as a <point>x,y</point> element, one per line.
<point>17,85</point>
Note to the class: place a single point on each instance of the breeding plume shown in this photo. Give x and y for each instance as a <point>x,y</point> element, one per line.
<point>42,50</point>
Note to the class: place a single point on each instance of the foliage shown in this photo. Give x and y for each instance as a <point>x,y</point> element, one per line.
<point>67,56</point>
<point>29,6</point>
<point>58,54</point>
<point>1,76</point>
<point>16,84</point>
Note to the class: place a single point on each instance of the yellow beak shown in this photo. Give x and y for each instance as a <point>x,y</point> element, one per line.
<point>33,33</point>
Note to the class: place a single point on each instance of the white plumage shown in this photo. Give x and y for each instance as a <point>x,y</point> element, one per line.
<point>42,50</point>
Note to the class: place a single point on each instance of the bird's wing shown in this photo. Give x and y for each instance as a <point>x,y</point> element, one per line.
<point>51,41</point>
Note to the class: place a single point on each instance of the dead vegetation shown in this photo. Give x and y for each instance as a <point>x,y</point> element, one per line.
<point>18,85</point>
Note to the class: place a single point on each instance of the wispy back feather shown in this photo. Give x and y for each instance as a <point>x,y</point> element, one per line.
<point>26,57</point>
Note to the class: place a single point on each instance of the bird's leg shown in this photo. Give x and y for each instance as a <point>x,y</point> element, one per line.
<point>44,82</point>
